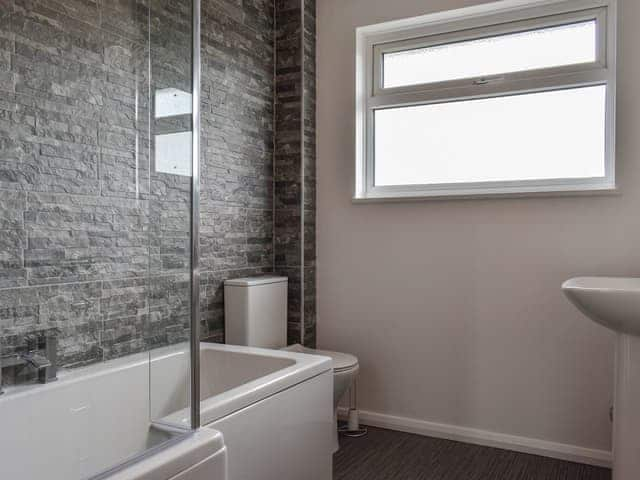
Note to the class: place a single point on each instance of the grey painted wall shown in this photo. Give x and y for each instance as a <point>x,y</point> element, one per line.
<point>94,243</point>
<point>454,308</point>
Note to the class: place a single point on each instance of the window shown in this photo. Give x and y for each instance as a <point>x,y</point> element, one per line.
<point>488,100</point>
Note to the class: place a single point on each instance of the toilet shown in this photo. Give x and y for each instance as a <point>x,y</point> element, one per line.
<point>256,316</point>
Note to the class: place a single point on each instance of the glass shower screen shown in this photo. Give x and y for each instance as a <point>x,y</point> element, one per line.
<point>96,196</point>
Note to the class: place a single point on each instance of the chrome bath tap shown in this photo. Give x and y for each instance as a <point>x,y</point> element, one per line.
<point>38,353</point>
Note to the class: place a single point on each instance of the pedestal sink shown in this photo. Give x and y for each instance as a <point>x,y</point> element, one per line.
<point>615,304</point>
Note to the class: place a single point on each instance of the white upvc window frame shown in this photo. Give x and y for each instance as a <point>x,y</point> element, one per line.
<point>507,16</point>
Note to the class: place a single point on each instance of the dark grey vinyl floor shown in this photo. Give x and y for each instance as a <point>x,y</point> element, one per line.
<point>388,455</point>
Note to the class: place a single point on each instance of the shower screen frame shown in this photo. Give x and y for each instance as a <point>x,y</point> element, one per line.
<point>195,221</point>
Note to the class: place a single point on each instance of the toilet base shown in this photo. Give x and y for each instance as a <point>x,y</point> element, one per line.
<point>352,428</point>
<point>348,429</point>
<point>336,440</point>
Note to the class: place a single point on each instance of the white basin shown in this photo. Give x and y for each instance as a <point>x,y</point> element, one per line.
<point>615,304</point>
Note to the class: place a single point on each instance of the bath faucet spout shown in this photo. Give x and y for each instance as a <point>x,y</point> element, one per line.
<point>35,360</point>
<point>38,353</point>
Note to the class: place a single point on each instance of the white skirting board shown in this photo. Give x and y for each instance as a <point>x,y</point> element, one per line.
<point>562,451</point>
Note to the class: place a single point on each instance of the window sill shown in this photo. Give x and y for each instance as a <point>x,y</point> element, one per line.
<point>485,194</point>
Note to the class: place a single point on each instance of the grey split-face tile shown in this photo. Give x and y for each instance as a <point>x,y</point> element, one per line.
<point>294,215</point>
<point>94,242</point>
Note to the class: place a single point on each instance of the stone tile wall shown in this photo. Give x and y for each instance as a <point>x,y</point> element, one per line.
<point>259,177</point>
<point>309,170</point>
<point>93,242</point>
<point>295,163</point>
<point>236,203</point>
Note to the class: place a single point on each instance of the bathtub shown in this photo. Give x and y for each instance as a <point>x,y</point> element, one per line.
<point>265,414</point>
<point>274,409</point>
<point>200,455</point>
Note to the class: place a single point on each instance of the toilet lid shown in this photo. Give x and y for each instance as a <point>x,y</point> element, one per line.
<point>341,361</point>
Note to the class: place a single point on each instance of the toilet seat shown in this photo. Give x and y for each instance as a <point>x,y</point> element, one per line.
<point>342,362</point>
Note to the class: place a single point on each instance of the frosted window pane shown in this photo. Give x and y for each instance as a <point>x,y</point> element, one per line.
<point>516,52</point>
<point>558,134</point>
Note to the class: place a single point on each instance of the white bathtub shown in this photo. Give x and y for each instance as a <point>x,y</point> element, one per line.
<point>99,416</point>
<point>274,408</point>
<point>201,455</point>
<point>87,421</point>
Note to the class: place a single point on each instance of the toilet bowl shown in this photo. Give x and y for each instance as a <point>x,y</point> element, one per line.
<point>256,316</point>
<point>345,368</point>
